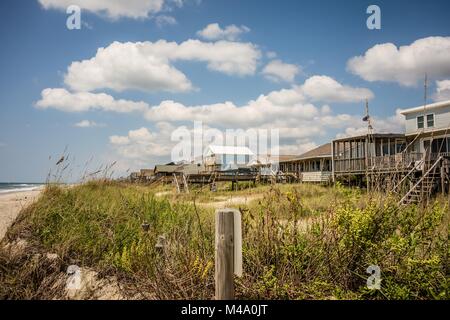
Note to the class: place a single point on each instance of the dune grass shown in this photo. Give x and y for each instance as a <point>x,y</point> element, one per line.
<point>300,241</point>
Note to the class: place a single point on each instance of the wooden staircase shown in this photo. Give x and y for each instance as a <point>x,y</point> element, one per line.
<point>422,187</point>
<point>181,183</point>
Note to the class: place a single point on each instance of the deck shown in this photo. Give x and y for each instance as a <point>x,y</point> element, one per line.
<point>388,163</point>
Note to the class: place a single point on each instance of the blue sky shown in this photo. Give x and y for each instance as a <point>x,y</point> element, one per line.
<point>312,41</point>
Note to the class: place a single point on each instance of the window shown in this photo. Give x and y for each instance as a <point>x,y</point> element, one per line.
<point>400,146</point>
<point>439,145</point>
<point>385,148</point>
<point>378,148</point>
<point>392,148</point>
<point>430,120</point>
<point>419,122</point>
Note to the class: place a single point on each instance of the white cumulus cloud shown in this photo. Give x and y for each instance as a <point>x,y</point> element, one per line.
<point>326,89</point>
<point>391,124</point>
<point>213,31</point>
<point>297,102</point>
<point>165,20</point>
<point>405,65</point>
<point>277,70</point>
<point>63,100</point>
<point>88,124</point>
<point>114,9</point>
<point>142,144</point>
<point>442,90</point>
<point>147,66</point>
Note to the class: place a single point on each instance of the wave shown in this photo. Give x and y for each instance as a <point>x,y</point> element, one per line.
<point>2,191</point>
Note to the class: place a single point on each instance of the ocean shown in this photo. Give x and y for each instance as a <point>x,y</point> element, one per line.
<point>6,187</point>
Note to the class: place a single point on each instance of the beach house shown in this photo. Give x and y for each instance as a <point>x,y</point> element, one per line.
<point>427,129</point>
<point>312,166</point>
<point>221,158</point>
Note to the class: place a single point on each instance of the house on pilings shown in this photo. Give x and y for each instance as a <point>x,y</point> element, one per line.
<point>415,164</point>
<point>355,158</point>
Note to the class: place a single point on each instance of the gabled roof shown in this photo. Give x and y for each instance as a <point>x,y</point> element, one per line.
<point>166,168</point>
<point>286,157</point>
<point>427,107</point>
<point>322,151</point>
<point>374,136</point>
<point>189,168</point>
<point>230,150</point>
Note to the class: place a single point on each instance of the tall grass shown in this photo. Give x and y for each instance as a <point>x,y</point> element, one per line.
<point>300,242</point>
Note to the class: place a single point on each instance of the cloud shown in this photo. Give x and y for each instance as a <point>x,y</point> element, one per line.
<point>2,144</point>
<point>391,124</point>
<point>405,65</point>
<point>164,20</point>
<point>275,106</point>
<point>297,148</point>
<point>113,9</point>
<point>142,144</point>
<point>295,101</point>
<point>122,66</point>
<point>442,90</point>
<point>88,124</point>
<point>326,89</point>
<point>276,70</point>
<point>213,31</point>
<point>147,66</point>
<point>63,100</point>
<point>271,54</point>
<point>256,112</point>
<point>285,105</point>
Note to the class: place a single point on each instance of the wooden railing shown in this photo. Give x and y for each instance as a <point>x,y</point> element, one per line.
<point>435,156</point>
<point>398,161</point>
<point>349,165</point>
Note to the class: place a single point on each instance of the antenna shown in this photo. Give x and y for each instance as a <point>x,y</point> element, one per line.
<point>370,142</point>
<point>425,87</point>
<point>425,92</point>
<point>367,118</point>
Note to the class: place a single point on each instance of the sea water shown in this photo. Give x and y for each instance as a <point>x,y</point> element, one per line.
<point>7,187</point>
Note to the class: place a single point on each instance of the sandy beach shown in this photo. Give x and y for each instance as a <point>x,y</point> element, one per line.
<point>11,204</point>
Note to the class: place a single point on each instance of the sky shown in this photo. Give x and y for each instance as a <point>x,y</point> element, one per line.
<point>115,90</point>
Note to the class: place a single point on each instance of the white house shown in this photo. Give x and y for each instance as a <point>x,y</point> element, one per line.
<point>427,128</point>
<point>224,157</point>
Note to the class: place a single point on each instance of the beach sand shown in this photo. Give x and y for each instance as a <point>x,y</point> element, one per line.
<point>11,204</point>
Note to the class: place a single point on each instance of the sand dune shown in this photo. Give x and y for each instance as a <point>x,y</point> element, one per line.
<point>10,206</point>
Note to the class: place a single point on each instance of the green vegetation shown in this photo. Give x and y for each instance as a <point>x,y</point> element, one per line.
<point>300,242</point>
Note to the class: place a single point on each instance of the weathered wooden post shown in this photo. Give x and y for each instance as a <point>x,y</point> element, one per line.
<point>442,178</point>
<point>228,252</point>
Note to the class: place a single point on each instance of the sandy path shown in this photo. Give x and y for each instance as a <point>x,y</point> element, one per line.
<point>10,206</point>
<point>231,201</point>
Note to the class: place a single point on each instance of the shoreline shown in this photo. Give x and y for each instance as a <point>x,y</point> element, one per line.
<point>11,203</point>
